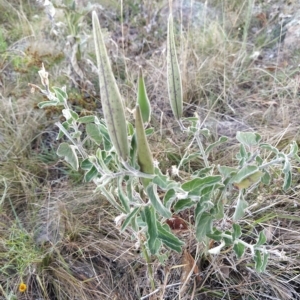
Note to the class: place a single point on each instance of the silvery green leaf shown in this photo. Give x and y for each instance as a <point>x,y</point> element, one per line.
<point>156,202</point>
<point>69,154</point>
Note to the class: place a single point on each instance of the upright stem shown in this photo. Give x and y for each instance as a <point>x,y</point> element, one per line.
<point>149,268</point>
<point>199,142</point>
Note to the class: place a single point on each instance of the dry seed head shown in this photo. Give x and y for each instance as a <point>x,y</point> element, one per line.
<point>44,76</point>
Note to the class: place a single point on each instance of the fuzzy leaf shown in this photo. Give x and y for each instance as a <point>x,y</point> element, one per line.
<point>182,204</point>
<point>240,208</point>
<point>123,198</point>
<point>86,164</point>
<point>163,181</point>
<point>264,262</point>
<point>69,154</point>
<point>91,174</point>
<point>261,239</point>
<point>246,176</point>
<point>94,133</point>
<point>247,182</point>
<point>60,94</point>
<point>204,171</point>
<point>106,137</point>
<point>188,158</point>
<point>227,171</point>
<point>86,119</point>
<point>203,225</point>
<point>242,155</point>
<point>236,231</point>
<point>239,249</point>
<point>248,138</point>
<point>294,151</point>
<point>266,178</point>
<point>156,202</point>
<point>286,166</point>
<point>258,260</point>
<point>220,141</point>
<point>215,235</point>
<point>287,180</point>
<point>49,103</point>
<point>110,198</point>
<point>150,219</point>
<point>65,125</point>
<point>129,218</point>
<point>218,210</point>
<point>195,185</point>
<point>168,238</point>
<point>70,115</point>
<point>269,147</point>
<point>169,197</point>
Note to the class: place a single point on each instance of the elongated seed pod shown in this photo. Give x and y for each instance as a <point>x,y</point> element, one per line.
<point>144,155</point>
<point>173,73</point>
<point>111,100</point>
<point>142,98</point>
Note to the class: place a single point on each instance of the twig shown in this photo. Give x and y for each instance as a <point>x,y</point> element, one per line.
<point>157,290</point>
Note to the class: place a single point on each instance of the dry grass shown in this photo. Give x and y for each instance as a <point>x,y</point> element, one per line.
<point>59,238</point>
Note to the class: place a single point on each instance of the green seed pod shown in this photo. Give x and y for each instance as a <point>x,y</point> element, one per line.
<point>112,103</point>
<point>142,98</point>
<point>144,155</point>
<point>173,73</point>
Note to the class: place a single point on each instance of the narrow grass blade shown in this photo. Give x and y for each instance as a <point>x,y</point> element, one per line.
<point>112,104</point>
<point>173,73</point>
<point>142,98</point>
<point>144,155</point>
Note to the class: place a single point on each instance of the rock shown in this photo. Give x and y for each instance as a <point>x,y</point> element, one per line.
<point>292,36</point>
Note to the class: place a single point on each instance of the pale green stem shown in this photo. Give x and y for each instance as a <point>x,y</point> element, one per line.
<point>148,262</point>
<point>199,142</point>
<point>272,162</point>
<point>251,247</point>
